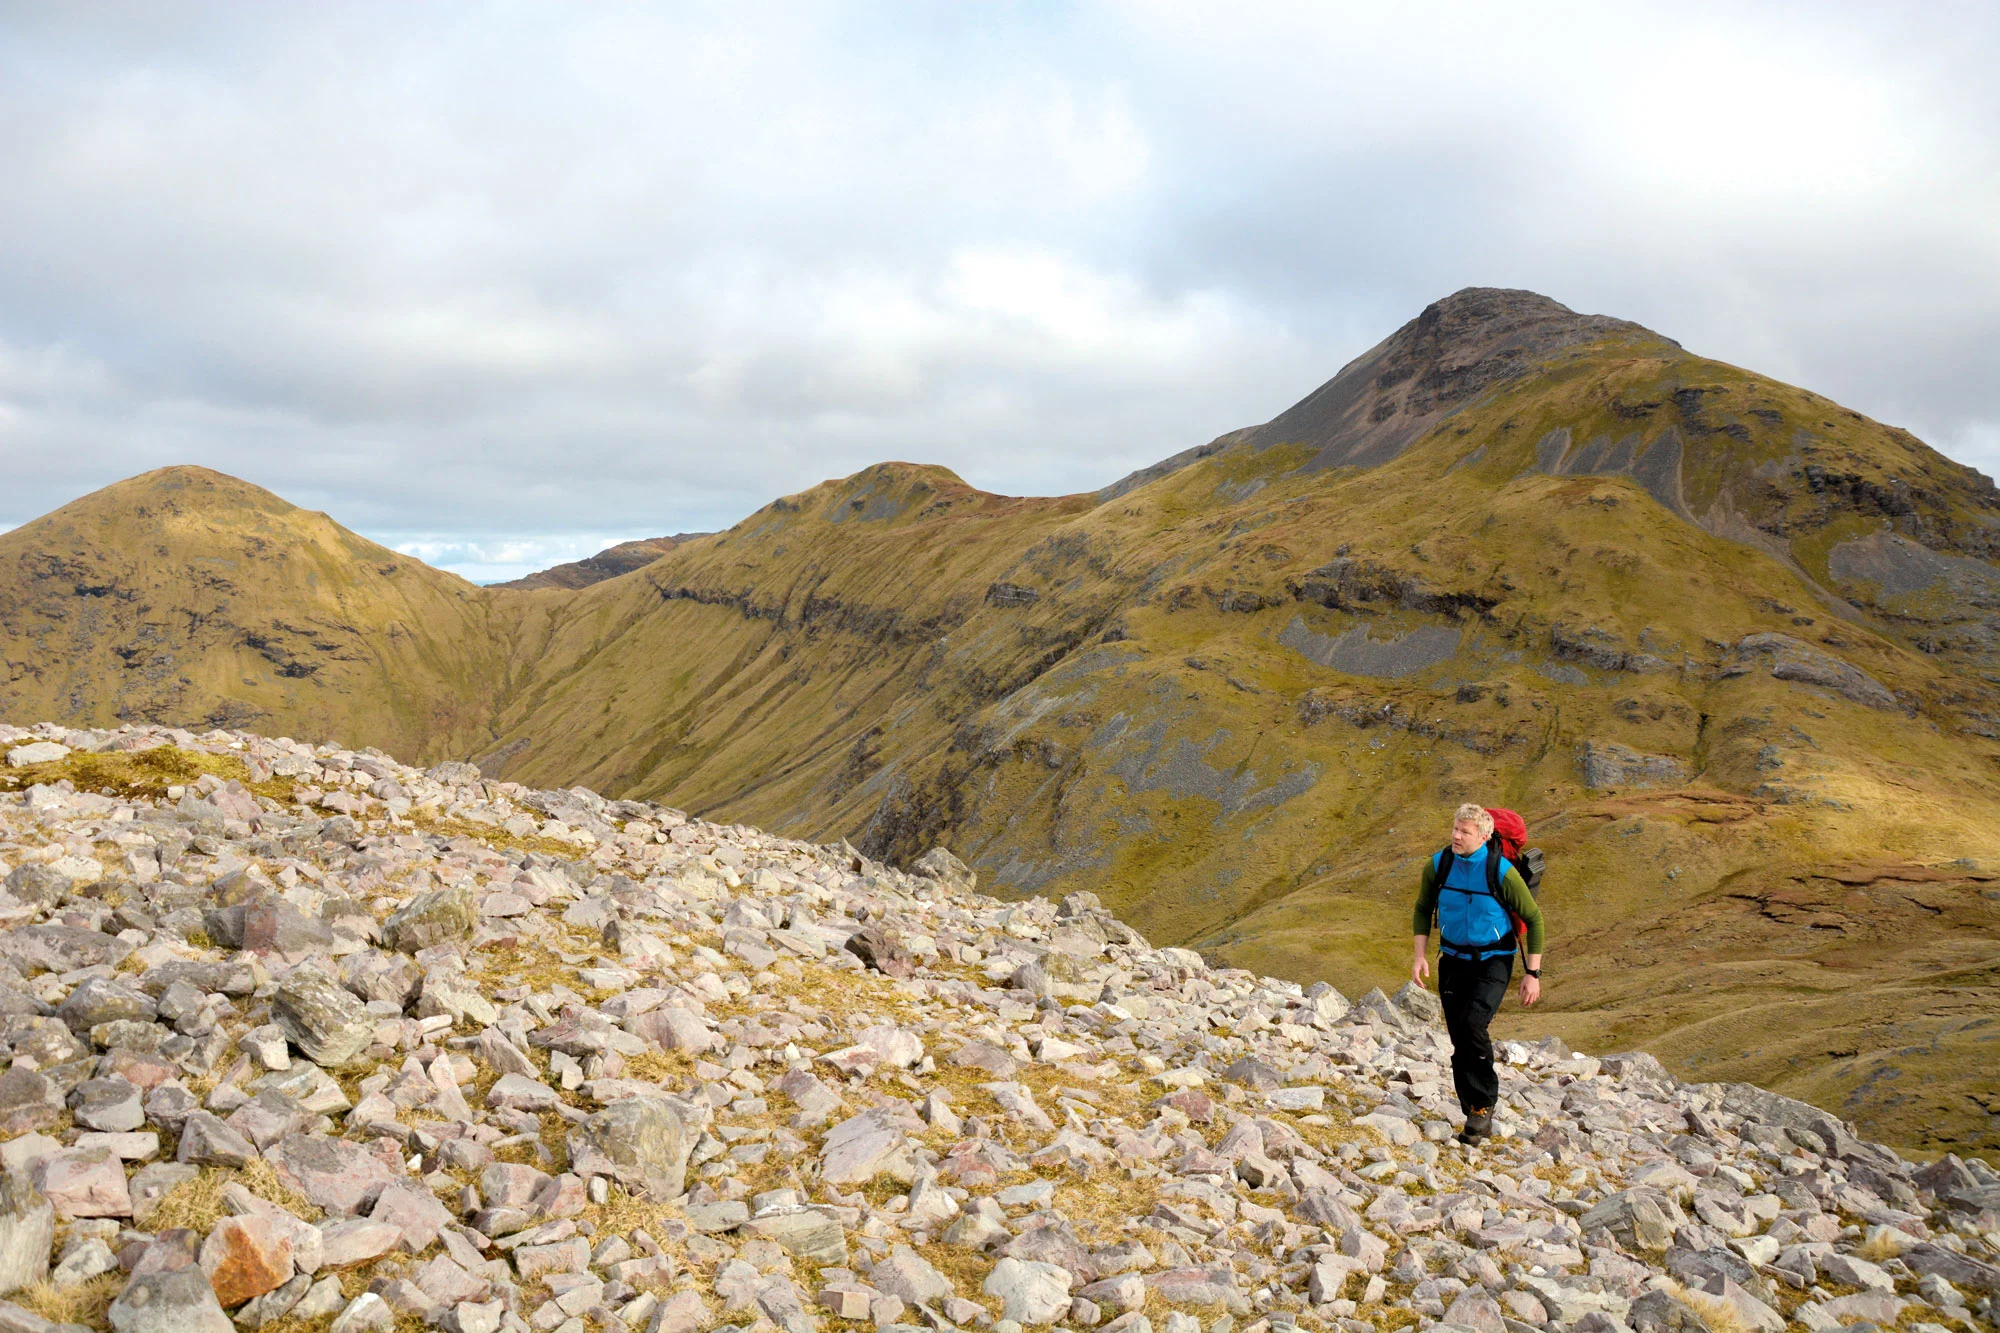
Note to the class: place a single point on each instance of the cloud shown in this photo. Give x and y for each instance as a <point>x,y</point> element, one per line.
<point>486,275</point>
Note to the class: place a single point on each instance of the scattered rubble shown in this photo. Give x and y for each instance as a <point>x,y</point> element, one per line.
<point>338,1043</point>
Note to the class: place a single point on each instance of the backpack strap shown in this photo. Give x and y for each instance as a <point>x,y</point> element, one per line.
<point>1493,867</point>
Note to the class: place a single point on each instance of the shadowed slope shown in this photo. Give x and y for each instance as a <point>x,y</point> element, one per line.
<point>609,563</point>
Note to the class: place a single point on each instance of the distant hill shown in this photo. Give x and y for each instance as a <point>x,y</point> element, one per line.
<point>606,564</point>
<point>1730,647</point>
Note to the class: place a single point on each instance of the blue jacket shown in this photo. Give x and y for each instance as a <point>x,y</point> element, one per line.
<point>1472,922</point>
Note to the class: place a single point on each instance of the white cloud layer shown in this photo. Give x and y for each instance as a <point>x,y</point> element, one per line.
<point>580,270</point>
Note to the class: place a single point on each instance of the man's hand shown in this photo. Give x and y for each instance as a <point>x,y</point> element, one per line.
<point>1531,989</point>
<point>1419,970</point>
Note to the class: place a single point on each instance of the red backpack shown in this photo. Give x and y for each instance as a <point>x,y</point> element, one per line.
<point>1510,831</point>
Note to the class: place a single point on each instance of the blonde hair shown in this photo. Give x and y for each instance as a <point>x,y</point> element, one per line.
<point>1475,814</point>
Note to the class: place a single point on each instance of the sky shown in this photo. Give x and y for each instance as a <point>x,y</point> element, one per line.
<point>500,285</point>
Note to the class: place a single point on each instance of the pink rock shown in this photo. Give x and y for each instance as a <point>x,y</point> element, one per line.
<point>414,1211</point>
<point>86,1184</point>
<point>356,1241</point>
<point>340,1177</point>
<point>684,1313</point>
<point>509,1184</point>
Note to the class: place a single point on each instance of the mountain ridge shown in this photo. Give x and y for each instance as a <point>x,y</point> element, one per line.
<point>1729,646</point>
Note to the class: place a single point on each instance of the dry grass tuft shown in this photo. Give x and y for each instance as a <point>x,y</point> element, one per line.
<point>84,1303</point>
<point>659,1066</point>
<point>964,1266</point>
<point>197,1204</point>
<point>1718,1314</point>
<point>492,835</point>
<point>624,1213</point>
<point>1100,1202</point>
<point>145,774</point>
<point>1880,1247</point>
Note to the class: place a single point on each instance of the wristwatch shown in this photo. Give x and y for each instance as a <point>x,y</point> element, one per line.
<point>1534,972</point>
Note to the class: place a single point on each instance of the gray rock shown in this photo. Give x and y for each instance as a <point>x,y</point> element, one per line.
<point>175,1300</point>
<point>152,1183</point>
<point>1952,1266</point>
<point>1420,1004</point>
<point>374,975</point>
<point>641,1142</point>
<point>208,1141</point>
<point>874,948</point>
<point>1607,764</point>
<point>37,883</point>
<point>339,1177</point>
<point>437,917</point>
<point>264,924</point>
<point>328,1025</point>
<point>366,1313</point>
<point>36,752</point>
<point>1032,1293</point>
<point>83,1261</point>
<point>321,1299</point>
<point>274,1304</point>
<point>27,1233</point>
<point>1640,1219</point>
<point>866,1146</point>
<point>1791,659</point>
<point>947,869</point>
<point>806,1233</point>
<point>108,1104</point>
<point>1662,1312</point>
<point>104,1000</point>
<point>28,1101</point>
<point>722,1215</point>
<point>907,1274</point>
<point>54,948</point>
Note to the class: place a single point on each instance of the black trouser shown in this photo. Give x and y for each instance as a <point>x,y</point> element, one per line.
<point>1470,991</point>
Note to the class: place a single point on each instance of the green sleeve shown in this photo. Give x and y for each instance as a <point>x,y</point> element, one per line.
<point>1427,898</point>
<point>1514,893</point>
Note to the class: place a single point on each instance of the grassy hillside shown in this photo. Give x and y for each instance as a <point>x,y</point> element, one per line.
<point>1726,644</point>
<point>189,596</point>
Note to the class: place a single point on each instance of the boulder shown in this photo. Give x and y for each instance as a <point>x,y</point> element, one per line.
<point>804,1233</point>
<point>437,917</point>
<point>340,1178</point>
<point>244,1257</point>
<point>1032,1293</point>
<point>27,1233</point>
<point>28,1101</point>
<point>946,869</point>
<point>859,1149</point>
<point>208,1141</point>
<point>328,1025</point>
<point>1641,1219</point>
<point>874,947</point>
<point>641,1142</point>
<point>169,1300</point>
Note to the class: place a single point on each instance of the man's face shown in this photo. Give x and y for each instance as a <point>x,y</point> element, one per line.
<point>1466,837</point>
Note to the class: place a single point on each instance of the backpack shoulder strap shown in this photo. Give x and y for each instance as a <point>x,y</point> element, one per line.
<point>1443,872</point>
<point>1493,867</point>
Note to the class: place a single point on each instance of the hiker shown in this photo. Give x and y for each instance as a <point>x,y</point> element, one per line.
<point>1476,925</point>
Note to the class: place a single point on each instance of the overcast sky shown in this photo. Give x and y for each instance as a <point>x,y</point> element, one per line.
<point>500,285</point>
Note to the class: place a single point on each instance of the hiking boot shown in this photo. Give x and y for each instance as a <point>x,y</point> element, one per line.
<point>1478,1127</point>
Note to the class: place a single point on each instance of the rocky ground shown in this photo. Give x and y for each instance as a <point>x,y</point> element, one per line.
<point>300,1037</point>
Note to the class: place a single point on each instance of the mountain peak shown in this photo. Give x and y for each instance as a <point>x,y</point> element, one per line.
<point>1385,399</point>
